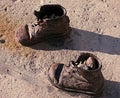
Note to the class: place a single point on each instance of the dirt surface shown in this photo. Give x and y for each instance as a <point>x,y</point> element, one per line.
<point>23,70</point>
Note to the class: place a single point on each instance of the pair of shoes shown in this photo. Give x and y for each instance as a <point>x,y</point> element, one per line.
<point>52,24</point>
<point>83,75</point>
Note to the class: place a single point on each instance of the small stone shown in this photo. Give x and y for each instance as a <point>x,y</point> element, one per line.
<point>26,13</point>
<point>5,9</point>
<point>115,26</point>
<point>2,41</point>
<point>7,70</point>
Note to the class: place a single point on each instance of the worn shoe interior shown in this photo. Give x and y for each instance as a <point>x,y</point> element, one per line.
<point>85,56</point>
<point>49,11</point>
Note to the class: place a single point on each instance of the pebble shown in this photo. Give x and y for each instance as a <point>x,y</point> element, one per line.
<point>2,41</point>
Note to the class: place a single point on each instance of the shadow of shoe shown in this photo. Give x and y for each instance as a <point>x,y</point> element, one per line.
<point>85,41</point>
<point>90,41</point>
<point>112,89</point>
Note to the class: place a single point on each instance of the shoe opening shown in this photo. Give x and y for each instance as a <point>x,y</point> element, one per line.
<point>49,11</point>
<point>84,56</point>
<point>58,72</point>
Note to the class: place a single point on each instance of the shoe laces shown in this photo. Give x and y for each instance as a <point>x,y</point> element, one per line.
<point>35,23</point>
<point>73,63</point>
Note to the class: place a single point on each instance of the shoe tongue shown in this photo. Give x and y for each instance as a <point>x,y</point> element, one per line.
<point>33,29</point>
<point>30,30</point>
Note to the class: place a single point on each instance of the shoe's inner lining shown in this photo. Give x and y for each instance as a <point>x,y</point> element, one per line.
<point>50,11</point>
<point>58,72</point>
<point>85,56</point>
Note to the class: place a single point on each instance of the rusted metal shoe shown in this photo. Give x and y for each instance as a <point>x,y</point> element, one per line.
<point>84,78</point>
<point>52,24</point>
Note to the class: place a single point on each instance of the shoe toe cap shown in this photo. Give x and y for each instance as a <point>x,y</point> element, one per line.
<point>22,35</point>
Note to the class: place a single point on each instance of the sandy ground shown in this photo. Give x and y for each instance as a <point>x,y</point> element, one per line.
<point>23,70</point>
